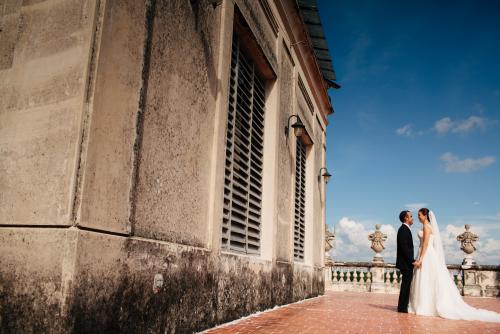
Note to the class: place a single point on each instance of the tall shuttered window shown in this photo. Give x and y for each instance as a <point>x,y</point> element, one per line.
<point>241,223</point>
<point>300,202</point>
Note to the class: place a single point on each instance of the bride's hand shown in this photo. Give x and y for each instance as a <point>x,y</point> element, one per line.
<point>417,264</point>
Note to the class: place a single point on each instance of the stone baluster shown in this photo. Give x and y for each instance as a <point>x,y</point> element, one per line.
<point>336,274</point>
<point>398,276</point>
<point>456,275</point>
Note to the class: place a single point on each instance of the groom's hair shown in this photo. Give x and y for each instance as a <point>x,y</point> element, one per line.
<point>402,215</point>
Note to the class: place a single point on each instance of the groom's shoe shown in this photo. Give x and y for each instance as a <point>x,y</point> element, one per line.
<point>403,311</point>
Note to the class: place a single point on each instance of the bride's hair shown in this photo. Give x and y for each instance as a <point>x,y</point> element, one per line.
<point>425,211</point>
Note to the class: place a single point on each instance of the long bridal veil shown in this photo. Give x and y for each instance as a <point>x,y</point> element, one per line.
<point>449,302</point>
<point>438,245</point>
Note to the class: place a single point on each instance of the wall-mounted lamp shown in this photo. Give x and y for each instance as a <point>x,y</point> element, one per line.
<point>325,174</point>
<point>298,127</point>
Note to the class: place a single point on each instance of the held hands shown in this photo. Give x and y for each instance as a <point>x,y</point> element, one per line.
<point>417,264</point>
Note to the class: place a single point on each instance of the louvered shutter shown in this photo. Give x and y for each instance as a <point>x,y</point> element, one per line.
<point>244,150</point>
<point>300,202</point>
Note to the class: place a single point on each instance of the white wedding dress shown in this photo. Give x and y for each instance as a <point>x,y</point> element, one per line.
<point>433,292</point>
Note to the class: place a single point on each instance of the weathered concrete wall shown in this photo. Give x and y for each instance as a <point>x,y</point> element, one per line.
<point>306,115</point>
<point>261,29</point>
<point>11,12</point>
<point>70,280</point>
<point>318,236</point>
<point>286,161</point>
<point>43,66</point>
<point>107,166</point>
<point>200,290</point>
<point>35,273</point>
<point>173,178</point>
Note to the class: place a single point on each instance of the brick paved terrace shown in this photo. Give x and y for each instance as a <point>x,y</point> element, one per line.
<point>356,312</point>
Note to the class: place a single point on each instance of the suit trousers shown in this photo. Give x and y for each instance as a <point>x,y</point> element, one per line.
<point>404,292</point>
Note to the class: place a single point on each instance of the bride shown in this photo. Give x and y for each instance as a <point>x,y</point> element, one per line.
<point>433,292</point>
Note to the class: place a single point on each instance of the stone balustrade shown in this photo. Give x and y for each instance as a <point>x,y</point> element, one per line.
<point>377,276</point>
<point>479,281</point>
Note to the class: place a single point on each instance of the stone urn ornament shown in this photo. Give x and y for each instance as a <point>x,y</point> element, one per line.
<point>377,238</point>
<point>467,240</point>
<point>329,245</point>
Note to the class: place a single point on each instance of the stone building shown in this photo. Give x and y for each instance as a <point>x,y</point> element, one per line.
<point>146,180</point>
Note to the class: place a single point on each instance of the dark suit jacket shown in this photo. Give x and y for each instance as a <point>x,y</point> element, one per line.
<point>404,252</point>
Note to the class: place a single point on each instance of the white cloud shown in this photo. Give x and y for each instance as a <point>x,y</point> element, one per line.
<point>454,164</point>
<point>352,242</point>
<point>405,130</point>
<point>488,251</point>
<point>451,246</point>
<point>469,124</point>
<point>491,246</point>
<point>476,203</point>
<point>390,244</point>
<point>352,231</point>
<point>445,125</point>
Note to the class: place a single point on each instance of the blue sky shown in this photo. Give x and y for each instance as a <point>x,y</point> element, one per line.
<point>416,122</point>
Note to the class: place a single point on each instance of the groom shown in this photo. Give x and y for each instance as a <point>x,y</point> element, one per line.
<point>404,259</point>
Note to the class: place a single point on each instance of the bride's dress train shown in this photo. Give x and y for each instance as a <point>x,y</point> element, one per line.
<point>433,292</point>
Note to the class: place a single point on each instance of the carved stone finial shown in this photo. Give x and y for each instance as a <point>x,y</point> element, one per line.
<point>467,240</point>
<point>329,239</point>
<point>377,238</point>
<point>329,244</point>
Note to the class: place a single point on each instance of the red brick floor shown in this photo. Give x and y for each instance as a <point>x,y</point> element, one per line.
<point>356,312</point>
